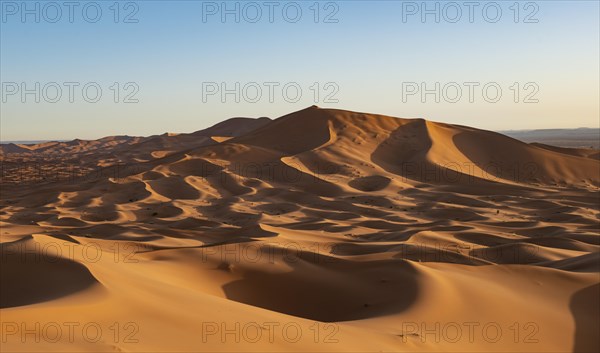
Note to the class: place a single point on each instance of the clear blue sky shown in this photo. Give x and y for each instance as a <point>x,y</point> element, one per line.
<point>372,54</point>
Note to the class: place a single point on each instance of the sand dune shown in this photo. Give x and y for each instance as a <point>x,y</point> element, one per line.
<point>322,230</point>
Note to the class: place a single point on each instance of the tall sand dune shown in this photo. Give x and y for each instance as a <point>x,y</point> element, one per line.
<point>322,230</point>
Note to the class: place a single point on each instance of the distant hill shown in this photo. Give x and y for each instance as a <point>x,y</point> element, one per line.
<point>571,138</point>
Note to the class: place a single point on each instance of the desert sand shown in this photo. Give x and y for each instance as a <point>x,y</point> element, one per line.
<point>322,230</point>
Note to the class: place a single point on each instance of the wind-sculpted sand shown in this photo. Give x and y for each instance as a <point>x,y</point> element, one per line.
<point>323,230</point>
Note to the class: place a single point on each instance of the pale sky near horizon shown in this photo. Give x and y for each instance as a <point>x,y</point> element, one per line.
<point>171,60</point>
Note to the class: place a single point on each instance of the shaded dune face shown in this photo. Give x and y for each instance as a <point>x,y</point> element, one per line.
<point>31,277</point>
<point>362,220</point>
<point>370,183</point>
<point>345,292</point>
<point>586,313</point>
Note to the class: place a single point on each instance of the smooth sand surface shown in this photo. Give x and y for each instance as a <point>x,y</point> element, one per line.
<point>323,230</point>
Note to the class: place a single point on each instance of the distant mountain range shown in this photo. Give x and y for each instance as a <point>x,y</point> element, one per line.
<point>572,138</point>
